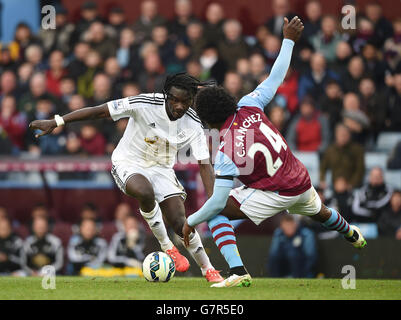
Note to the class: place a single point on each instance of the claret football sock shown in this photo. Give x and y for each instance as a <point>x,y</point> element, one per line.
<point>224,237</point>
<point>338,223</point>
<point>154,219</point>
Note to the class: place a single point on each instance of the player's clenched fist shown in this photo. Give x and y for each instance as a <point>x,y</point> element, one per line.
<point>292,30</point>
<point>47,126</point>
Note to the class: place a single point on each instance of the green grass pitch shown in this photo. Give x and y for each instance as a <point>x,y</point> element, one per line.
<point>182,288</point>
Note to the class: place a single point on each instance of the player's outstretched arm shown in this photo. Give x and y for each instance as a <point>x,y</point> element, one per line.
<point>212,207</point>
<point>265,92</point>
<point>89,113</point>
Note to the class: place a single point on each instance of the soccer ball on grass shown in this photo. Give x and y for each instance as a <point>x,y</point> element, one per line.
<point>158,266</point>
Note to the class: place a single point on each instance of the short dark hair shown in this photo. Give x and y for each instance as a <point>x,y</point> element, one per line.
<point>214,105</point>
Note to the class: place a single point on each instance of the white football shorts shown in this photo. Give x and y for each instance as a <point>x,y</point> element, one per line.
<point>164,181</point>
<point>259,205</point>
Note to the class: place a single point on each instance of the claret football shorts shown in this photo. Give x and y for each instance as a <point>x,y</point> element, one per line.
<point>164,181</point>
<point>259,205</point>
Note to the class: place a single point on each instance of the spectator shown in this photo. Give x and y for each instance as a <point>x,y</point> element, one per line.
<point>270,49</point>
<point>370,200</point>
<point>85,81</point>
<point>374,65</point>
<point>393,117</point>
<point>195,38</point>
<point>326,40</point>
<point>213,67</point>
<point>233,45</point>
<point>126,51</point>
<point>126,248</point>
<point>258,69</point>
<point>365,33</point>
<point>77,66</point>
<point>281,9</point>
<point>92,141</point>
<point>344,158</point>
<point>55,73</point>
<point>314,82</point>
<point>37,91</point>
<point>389,222</point>
<point>122,211</point>
<point>117,21</point>
<point>233,84</point>
<point>289,89</point>
<point>194,68</point>
<point>8,84</point>
<point>42,249</point>
<point>148,19</point>
<point>76,102</point>
<point>165,46</point>
<point>331,104</point>
<point>278,117</point>
<point>67,90</point>
<point>343,55</point>
<point>86,249</point>
<point>354,74</point>
<point>152,79</point>
<point>394,160</point>
<point>40,210</point>
<point>183,16</point>
<point>23,38</point>
<point>371,103</point>
<point>342,198</point>
<point>309,131</point>
<point>6,61</point>
<point>88,14</point>
<point>214,23</point>
<point>182,55</point>
<point>355,119</point>
<point>34,55</point>
<point>382,27</point>
<point>312,23</point>
<point>99,41</point>
<point>10,249</point>
<point>114,77</point>
<point>13,124</point>
<point>293,250</point>
<point>392,47</point>
<point>59,38</point>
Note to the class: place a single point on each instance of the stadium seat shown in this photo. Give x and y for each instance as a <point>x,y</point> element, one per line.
<point>63,231</point>
<point>393,178</point>
<point>375,159</point>
<point>386,141</point>
<point>108,230</point>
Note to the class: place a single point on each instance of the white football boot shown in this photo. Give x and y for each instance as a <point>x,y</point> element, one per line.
<point>357,240</point>
<point>234,281</point>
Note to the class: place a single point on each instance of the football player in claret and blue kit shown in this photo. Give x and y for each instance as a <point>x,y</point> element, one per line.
<point>255,152</point>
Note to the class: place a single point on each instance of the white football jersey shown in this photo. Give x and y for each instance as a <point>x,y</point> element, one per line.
<point>151,138</point>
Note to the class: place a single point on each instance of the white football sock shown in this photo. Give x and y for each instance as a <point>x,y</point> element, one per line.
<point>155,221</point>
<point>197,252</point>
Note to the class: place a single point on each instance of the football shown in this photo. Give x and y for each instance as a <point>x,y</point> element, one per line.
<point>158,266</point>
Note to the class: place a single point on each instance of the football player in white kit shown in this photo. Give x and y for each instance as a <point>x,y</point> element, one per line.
<point>160,124</point>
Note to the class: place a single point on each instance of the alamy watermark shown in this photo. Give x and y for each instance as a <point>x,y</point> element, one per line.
<point>349,280</point>
<point>49,18</point>
<point>349,19</point>
<point>49,277</point>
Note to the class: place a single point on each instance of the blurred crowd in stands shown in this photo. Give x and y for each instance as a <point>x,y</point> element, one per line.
<point>341,92</point>
<point>90,242</point>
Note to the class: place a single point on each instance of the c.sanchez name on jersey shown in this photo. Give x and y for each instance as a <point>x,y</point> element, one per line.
<point>151,138</point>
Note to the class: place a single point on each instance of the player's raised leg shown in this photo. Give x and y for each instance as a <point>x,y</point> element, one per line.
<point>332,220</point>
<point>174,211</point>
